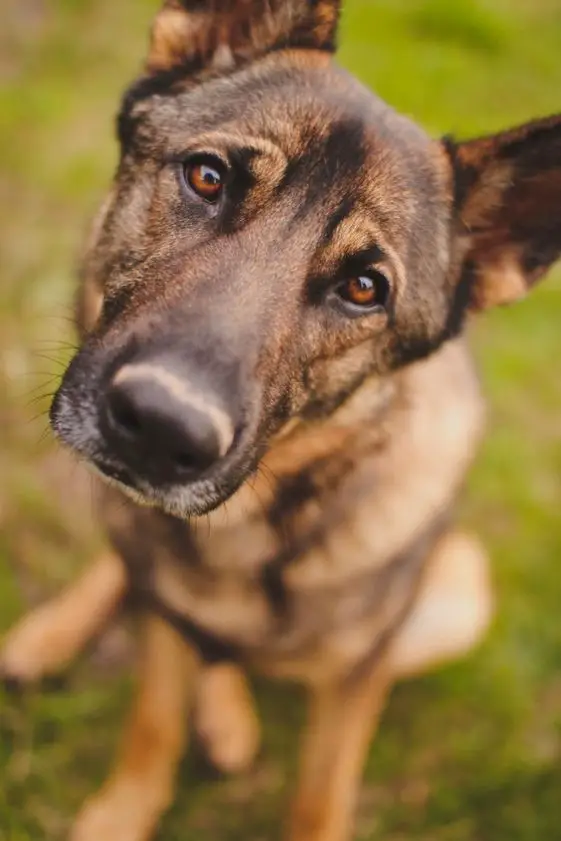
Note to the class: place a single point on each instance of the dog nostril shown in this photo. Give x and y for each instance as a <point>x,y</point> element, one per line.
<point>184,460</point>
<point>154,420</point>
<point>124,414</point>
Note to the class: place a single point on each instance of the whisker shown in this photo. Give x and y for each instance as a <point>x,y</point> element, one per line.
<point>44,383</point>
<point>42,414</point>
<point>273,480</point>
<point>258,496</point>
<point>60,362</point>
<point>57,344</point>
<point>39,397</point>
<point>47,433</point>
<point>29,374</point>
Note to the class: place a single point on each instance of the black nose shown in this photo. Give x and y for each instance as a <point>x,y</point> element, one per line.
<point>160,428</point>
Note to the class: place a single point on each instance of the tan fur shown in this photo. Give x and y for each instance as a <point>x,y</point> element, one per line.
<point>141,785</point>
<point>172,29</point>
<point>441,411</point>
<point>225,718</point>
<point>242,28</point>
<point>453,608</point>
<point>342,715</point>
<point>317,545</point>
<point>439,407</point>
<point>341,720</point>
<point>49,637</point>
<point>503,281</point>
<point>90,292</point>
<point>487,199</point>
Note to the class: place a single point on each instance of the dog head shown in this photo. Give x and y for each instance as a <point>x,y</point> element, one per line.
<point>275,235</point>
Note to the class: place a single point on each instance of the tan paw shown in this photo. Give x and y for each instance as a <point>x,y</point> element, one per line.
<point>46,640</point>
<point>123,813</point>
<point>30,650</point>
<point>225,719</point>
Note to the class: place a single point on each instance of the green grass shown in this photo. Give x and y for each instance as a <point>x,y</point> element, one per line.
<point>472,753</point>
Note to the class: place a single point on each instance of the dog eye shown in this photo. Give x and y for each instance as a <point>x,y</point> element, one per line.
<point>206,178</point>
<point>367,292</point>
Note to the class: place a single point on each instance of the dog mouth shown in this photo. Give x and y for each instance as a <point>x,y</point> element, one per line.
<point>118,477</point>
<point>183,500</point>
<point>114,473</point>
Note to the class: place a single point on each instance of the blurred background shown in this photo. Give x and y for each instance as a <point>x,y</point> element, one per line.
<point>472,753</point>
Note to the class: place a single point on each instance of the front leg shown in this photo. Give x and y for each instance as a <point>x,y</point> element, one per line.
<point>225,718</point>
<point>342,719</point>
<point>139,790</point>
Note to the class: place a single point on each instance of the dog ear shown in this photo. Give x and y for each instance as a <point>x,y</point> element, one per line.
<point>508,208</point>
<point>221,33</point>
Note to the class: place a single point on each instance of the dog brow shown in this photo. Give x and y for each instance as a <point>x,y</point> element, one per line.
<point>341,212</point>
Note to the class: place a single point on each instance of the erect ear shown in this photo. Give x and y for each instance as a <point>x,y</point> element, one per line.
<point>508,206</point>
<point>220,33</point>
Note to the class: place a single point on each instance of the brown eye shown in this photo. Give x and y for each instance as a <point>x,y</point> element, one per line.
<point>366,292</point>
<point>205,179</point>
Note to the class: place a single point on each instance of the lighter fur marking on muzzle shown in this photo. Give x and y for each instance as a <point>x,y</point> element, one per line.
<point>181,392</point>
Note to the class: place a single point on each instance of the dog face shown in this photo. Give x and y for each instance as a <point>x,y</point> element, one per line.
<point>275,235</point>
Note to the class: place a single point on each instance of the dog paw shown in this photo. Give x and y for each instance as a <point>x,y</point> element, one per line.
<point>121,814</point>
<point>231,749</point>
<point>226,721</point>
<point>17,671</point>
<point>16,683</point>
<point>27,651</point>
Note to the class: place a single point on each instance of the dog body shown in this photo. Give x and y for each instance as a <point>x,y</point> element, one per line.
<point>274,386</point>
<point>313,565</point>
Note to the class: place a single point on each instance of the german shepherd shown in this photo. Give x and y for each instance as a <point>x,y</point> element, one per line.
<point>273,384</point>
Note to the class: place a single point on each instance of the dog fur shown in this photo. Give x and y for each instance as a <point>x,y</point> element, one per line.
<point>319,544</point>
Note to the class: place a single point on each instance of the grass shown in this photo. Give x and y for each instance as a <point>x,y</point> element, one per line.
<point>472,753</point>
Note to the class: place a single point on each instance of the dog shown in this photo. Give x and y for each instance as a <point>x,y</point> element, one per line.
<point>274,387</point>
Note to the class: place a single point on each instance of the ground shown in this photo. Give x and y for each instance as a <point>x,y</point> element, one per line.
<point>472,753</point>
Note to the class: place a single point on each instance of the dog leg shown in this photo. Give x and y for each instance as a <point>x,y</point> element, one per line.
<point>453,609</point>
<point>140,788</point>
<point>45,640</point>
<point>226,719</point>
<point>342,719</point>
